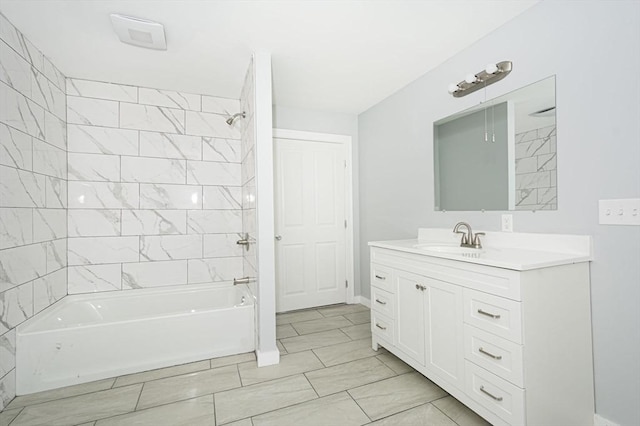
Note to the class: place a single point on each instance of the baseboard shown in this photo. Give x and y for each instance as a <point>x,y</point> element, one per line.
<point>268,357</point>
<point>598,420</point>
<point>363,301</point>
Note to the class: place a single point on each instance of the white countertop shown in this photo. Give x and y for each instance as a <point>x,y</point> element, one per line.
<point>516,251</point>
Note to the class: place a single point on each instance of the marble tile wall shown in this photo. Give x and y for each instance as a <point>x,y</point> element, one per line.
<point>536,170</point>
<point>155,188</point>
<point>249,218</point>
<point>33,190</point>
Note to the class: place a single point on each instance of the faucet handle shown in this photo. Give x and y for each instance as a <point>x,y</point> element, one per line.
<point>476,240</point>
<point>464,239</point>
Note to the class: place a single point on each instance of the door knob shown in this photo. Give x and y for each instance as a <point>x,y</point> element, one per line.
<point>278,237</point>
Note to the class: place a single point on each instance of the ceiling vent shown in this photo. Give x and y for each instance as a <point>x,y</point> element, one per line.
<point>139,32</point>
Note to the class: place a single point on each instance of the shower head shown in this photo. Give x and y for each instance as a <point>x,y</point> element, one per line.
<point>235,116</point>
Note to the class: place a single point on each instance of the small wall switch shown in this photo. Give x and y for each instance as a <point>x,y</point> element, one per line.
<point>507,223</point>
<point>619,212</point>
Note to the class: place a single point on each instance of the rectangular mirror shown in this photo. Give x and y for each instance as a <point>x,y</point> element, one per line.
<point>499,155</point>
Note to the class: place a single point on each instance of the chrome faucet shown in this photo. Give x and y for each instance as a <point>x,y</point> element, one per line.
<point>468,238</point>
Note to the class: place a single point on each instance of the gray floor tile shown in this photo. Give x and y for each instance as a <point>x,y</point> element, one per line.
<point>346,376</point>
<point>459,412</point>
<point>289,317</point>
<point>315,340</point>
<point>285,330</point>
<point>8,415</point>
<point>290,365</point>
<point>243,422</point>
<point>188,386</point>
<point>357,332</point>
<point>322,324</point>
<point>359,317</point>
<point>162,373</point>
<point>249,401</point>
<point>338,409</point>
<point>423,415</point>
<point>396,394</point>
<point>332,311</point>
<point>345,352</point>
<point>281,348</point>
<point>394,363</point>
<point>50,395</point>
<point>81,409</point>
<point>233,359</point>
<point>192,412</point>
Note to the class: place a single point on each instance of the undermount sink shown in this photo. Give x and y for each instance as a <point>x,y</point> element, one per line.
<point>448,249</point>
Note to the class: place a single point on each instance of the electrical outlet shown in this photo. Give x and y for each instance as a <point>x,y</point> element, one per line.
<point>507,223</point>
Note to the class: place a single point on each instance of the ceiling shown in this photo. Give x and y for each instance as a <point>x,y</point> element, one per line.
<point>328,55</point>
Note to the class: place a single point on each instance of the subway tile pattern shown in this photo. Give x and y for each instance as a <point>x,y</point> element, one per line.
<point>33,191</point>
<point>536,169</point>
<point>334,384</point>
<point>154,200</point>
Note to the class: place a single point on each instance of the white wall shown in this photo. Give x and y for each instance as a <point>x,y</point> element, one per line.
<point>593,49</point>
<point>333,123</point>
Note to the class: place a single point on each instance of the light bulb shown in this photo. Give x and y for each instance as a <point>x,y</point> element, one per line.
<point>470,78</point>
<point>453,88</point>
<point>491,69</point>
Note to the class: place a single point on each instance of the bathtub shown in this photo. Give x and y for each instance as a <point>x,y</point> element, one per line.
<point>95,336</point>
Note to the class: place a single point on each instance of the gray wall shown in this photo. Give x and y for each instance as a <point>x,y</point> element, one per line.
<point>338,124</point>
<point>593,48</point>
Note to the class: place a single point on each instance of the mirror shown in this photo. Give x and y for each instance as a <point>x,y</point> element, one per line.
<point>499,155</point>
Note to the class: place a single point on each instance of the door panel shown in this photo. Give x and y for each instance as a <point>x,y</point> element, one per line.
<point>310,214</point>
<point>410,314</point>
<point>444,331</point>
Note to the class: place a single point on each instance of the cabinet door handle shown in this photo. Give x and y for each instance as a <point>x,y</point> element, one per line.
<point>380,327</point>
<point>420,287</point>
<point>381,278</point>
<point>381,302</point>
<point>497,398</point>
<point>488,314</point>
<point>482,351</point>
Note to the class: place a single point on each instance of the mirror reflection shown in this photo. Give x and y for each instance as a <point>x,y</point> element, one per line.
<point>499,155</point>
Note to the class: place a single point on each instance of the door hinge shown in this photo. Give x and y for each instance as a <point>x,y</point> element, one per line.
<point>346,283</point>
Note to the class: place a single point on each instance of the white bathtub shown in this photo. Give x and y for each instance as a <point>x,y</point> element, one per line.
<point>96,336</point>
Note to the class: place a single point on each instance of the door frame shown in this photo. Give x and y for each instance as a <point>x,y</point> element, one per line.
<point>345,141</point>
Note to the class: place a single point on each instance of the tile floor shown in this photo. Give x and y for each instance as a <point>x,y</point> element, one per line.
<point>328,375</point>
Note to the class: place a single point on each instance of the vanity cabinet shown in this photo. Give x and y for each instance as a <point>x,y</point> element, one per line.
<point>513,345</point>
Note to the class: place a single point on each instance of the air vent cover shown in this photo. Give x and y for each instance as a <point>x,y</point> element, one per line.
<point>139,32</point>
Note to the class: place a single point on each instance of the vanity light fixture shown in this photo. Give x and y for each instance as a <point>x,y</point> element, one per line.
<point>473,82</point>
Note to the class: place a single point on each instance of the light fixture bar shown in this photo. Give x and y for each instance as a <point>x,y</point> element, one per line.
<point>491,74</point>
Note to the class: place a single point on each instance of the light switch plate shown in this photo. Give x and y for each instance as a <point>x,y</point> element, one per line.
<point>619,212</point>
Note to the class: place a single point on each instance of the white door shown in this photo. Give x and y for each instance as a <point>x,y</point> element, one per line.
<point>310,223</point>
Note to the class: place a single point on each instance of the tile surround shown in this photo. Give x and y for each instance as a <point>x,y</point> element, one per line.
<point>33,173</point>
<point>536,166</point>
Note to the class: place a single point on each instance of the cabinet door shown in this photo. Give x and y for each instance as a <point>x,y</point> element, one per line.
<point>410,290</point>
<point>444,331</point>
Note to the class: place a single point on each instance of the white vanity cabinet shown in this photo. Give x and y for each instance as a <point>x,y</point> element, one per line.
<point>513,345</point>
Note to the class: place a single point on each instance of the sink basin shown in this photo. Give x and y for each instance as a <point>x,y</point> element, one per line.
<point>448,249</point>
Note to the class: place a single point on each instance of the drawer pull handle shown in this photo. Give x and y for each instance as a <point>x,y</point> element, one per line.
<point>482,351</point>
<point>381,278</point>
<point>488,314</point>
<point>381,302</point>
<point>497,398</point>
<point>380,327</point>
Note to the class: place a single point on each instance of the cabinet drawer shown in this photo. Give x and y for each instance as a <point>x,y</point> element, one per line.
<point>382,326</point>
<point>382,277</point>
<point>494,314</point>
<point>498,355</point>
<point>495,394</point>
<point>382,302</point>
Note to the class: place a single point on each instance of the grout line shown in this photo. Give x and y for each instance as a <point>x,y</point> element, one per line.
<point>139,396</point>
